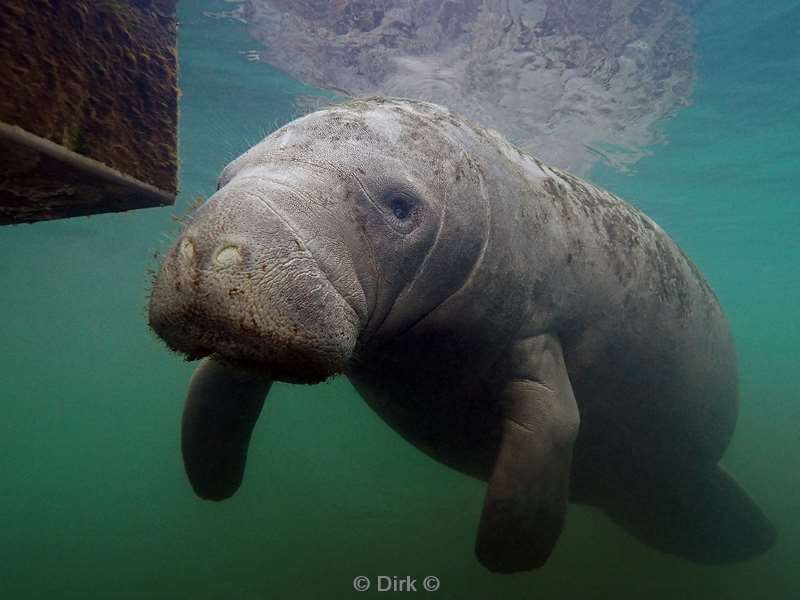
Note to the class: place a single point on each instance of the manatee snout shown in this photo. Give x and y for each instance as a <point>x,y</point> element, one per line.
<point>242,283</point>
<point>259,284</point>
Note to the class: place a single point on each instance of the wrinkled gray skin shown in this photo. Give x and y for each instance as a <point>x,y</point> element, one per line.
<point>510,320</point>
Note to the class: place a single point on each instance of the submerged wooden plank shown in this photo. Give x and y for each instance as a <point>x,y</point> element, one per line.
<point>88,96</point>
<point>41,180</point>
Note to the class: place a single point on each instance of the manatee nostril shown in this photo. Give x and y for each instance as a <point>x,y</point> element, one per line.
<point>187,250</point>
<point>227,255</point>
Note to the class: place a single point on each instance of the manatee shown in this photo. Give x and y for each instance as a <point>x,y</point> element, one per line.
<point>508,319</point>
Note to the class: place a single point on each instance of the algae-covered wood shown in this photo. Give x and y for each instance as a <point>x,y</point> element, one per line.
<point>98,80</point>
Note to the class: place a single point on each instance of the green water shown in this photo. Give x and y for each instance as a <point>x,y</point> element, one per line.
<point>94,501</point>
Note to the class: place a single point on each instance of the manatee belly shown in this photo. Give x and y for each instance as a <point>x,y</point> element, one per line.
<point>656,394</point>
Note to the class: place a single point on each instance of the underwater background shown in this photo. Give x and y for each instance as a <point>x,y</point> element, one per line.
<point>94,502</point>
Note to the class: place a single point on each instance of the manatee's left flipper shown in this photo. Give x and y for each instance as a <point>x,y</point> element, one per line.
<point>222,406</point>
<point>526,499</point>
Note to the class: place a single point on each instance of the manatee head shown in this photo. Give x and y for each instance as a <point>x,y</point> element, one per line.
<point>345,226</point>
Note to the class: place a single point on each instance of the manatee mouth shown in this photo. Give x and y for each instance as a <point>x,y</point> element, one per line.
<point>302,359</point>
<point>300,372</point>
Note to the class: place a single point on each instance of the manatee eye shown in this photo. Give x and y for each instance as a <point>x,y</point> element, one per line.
<point>401,207</point>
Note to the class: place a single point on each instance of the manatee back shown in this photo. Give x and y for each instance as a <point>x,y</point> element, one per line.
<point>648,348</point>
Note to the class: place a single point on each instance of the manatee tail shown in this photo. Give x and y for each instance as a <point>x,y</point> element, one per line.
<point>706,517</point>
<point>222,406</point>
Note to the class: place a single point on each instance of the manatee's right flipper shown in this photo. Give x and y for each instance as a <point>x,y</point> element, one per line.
<point>526,499</point>
<point>221,409</point>
<point>704,516</point>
